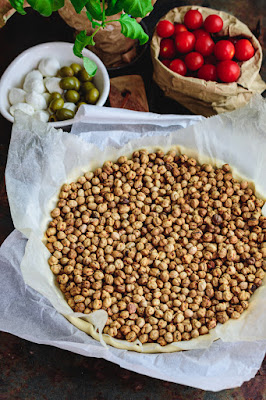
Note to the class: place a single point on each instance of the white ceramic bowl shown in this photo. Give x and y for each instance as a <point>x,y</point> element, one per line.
<point>29,60</point>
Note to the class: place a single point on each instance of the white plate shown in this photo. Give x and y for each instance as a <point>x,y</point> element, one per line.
<point>29,60</point>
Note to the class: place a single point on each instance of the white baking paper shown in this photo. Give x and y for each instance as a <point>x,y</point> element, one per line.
<point>40,160</point>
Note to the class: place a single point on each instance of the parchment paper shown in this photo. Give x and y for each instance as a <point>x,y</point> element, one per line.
<point>40,160</point>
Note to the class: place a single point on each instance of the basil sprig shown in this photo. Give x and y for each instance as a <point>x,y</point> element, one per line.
<point>82,40</point>
<point>97,12</point>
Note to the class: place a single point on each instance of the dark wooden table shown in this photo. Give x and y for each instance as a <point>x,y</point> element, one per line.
<point>35,372</point>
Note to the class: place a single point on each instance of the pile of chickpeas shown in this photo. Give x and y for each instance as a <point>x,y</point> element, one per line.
<point>168,247</point>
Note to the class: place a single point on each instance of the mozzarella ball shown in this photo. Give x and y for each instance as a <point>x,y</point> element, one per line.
<point>41,115</point>
<point>33,75</point>
<point>34,85</point>
<point>49,66</point>
<point>26,108</point>
<point>37,100</point>
<point>47,98</point>
<point>52,85</point>
<point>70,106</point>
<point>16,96</point>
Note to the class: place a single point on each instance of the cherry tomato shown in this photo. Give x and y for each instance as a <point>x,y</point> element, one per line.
<point>213,23</point>
<point>207,72</point>
<point>165,29</point>
<point>167,48</point>
<point>178,66</point>
<point>205,45</point>
<point>244,50</point>
<point>228,71</point>
<point>194,60</point>
<point>185,42</point>
<point>166,62</point>
<point>193,19</point>
<point>200,32</point>
<point>179,28</point>
<point>224,50</point>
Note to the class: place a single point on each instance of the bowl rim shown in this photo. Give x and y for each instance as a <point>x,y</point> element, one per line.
<point>86,52</point>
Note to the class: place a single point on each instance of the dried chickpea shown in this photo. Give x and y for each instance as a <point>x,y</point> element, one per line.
<point>168,247</point>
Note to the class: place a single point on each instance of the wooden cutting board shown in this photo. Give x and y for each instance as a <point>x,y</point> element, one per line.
<point>128,92</point>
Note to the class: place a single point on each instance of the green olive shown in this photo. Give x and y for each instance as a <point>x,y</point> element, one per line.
<point>84,76</point>
<point>66,71</point>
<point>76,68</point>
<point>80,103</point>
<point>52,118</point>
<point>87,86</point>
<point>72,96</point>
<point>67,83</point>
<point>54,96</point>
<point>92,96</point>
<point>56,104</point>
<point>77,83</point>
<point>64,113</point>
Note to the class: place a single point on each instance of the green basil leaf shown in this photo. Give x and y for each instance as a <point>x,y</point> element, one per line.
<point>137,8</point>
<point>94,24</point>
<point>114,7</point>
<point>94,8</point>
<point>90,41</point>
<point>78,5</point>
<point>80,43</point>
<point>90,66</point>
<point>89,16</point>
<point>44,7</point>
<point>82,40</point>
<point>57,4</point>
<point>132,29</point>
<point>18,6</point>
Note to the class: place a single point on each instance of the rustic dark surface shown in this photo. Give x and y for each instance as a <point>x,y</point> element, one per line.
<point>36,372</point>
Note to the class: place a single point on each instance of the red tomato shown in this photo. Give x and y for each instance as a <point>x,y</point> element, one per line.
<point>167,48</point>
<point>200,32</point>
<point>224,50</point>
<point>194,60</point>
<point>205,45</point>
<point>207,72</point>
<point>180,28</point>
<point>213,23</point>
<point>193,19</point>
<point>166,62</point>
<point>185,42</point>
<point>244,50</point>
<point>228,71</point>
<point>165,29</point>
<point>178,66</point>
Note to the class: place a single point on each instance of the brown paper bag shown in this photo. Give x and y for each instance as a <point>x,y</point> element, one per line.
<point>6,11</point>
<point>198,95</point>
